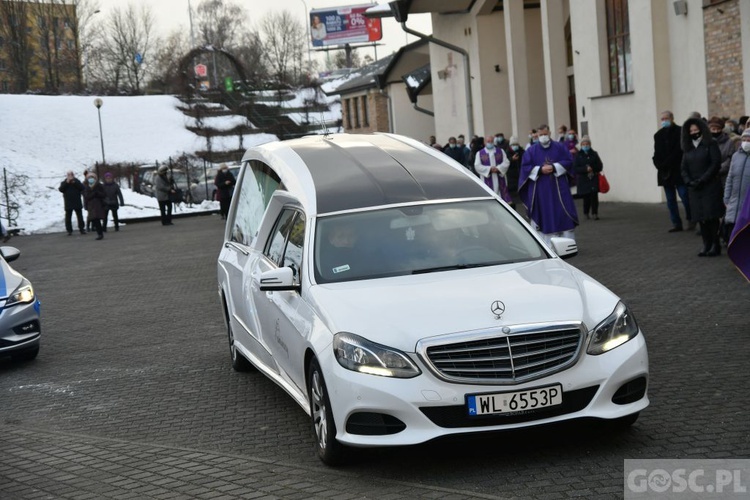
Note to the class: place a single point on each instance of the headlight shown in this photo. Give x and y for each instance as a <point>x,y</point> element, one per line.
<point>617,329</point>
<point>24,294</point>
<point>360,355</point>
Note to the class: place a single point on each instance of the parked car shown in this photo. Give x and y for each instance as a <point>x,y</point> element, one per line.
<point>397,299</point>
<point>139,177</point>
<point>148,182</point>
<point>20,327</point>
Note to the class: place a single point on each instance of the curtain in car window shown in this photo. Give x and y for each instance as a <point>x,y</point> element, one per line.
<point>258,185</point>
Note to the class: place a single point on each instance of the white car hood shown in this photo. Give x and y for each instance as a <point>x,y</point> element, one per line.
<point>400,311</point>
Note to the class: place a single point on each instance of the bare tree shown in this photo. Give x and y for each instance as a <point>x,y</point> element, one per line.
<point>50,29</point>
<point>166,59</point>
<point>220,23</point>
<point>284,38</point>
<point>80,20</point>
<point>250,53</point>
<point>14,18</point>
<point>128,44</point>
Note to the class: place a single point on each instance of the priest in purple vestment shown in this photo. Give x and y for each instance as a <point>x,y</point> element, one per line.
<point>738,249</point>
<point>492,164</point>
<point>544,187</point>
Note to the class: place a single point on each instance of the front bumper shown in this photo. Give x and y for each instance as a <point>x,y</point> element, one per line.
<point>431,408</point>
<point>20,327</point>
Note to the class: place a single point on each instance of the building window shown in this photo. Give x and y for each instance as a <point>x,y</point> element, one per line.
<point>618,45</point>
<point>365,112</point>
<point>356,112</point>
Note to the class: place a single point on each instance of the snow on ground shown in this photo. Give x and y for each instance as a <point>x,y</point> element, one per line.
<point>42,137</point>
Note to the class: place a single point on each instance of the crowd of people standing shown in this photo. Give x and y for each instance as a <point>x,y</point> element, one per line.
<point>540,174</point>
<point>99,200</point>
<point>705,163</point>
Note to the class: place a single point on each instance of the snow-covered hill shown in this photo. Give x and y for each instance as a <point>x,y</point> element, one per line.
<point>42,137</point>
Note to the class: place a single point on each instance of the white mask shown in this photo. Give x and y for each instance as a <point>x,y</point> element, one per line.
<point>544,140</point>
<point>746,146</point>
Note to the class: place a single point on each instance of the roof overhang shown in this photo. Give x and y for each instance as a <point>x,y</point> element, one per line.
<point>400,9</point>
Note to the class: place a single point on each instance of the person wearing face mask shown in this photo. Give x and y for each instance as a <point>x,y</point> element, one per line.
<point>453,150</point>
<point>501,143</point>
<point>94,195</point>
<point>727,146</point>
<point>515,156</point>
<point>587,165</point>
<point>72,189</point>
<point>492,164</point>
<point>701,161</point>
<point>571,142</point>
<point>562,131</point>
<point>667,159</point>
<point>544,187</point>
<point>737,186</point>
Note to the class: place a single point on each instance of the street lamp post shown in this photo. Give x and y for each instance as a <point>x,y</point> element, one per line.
<point>98,103</point>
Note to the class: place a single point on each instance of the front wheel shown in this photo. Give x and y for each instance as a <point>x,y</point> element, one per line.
<point>330,451</point>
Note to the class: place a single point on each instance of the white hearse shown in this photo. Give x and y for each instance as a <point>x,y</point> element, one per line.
<point>397,299</point>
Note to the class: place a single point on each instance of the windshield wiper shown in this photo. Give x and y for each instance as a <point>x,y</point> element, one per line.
<point>448,268</point>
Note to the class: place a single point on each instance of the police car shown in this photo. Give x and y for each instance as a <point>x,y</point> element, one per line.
<point>397,299</point>
<point>20,328</point>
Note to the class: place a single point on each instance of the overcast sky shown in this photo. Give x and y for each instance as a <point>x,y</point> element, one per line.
<point>173,14</point>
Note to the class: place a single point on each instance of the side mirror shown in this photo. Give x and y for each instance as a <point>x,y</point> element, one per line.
<point>281,279</point>
<point>10,253</point>
<point>565,248</point>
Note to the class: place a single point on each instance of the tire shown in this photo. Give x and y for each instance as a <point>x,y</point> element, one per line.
<point>239,362</point>
<point>329,450</point>
<point>26,355</point>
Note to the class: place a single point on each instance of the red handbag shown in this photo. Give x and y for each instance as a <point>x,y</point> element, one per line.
<point>603,184</point>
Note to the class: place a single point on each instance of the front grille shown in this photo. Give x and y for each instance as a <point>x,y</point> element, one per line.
<point>507,358</point>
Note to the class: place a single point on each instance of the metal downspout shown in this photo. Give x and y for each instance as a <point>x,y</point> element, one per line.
<point>423,110</point>
<point>467,75</point>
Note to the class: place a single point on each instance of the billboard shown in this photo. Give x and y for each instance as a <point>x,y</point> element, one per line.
<point>342,25</point>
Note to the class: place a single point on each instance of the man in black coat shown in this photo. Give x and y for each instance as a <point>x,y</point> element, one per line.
<point>72,189</point>
<point>455,151</point>
<point>224,183</point>
<point>667,159</point>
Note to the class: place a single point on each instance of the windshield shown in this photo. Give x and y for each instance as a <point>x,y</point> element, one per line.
<point>419,239</point>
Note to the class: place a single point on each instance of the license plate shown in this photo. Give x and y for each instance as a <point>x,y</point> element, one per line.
<point>511,402</point>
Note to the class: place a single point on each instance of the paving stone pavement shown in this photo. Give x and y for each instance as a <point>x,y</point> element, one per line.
<point>133,396</point>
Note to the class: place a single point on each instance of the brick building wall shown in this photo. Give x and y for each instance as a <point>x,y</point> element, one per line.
<point>365,113</point>
<point>723,38</point>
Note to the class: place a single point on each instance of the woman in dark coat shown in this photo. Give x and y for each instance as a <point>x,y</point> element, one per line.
<point>701,162</point>
<point>587,165</point>
<point>94,195</point>
<point>224,183</point>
